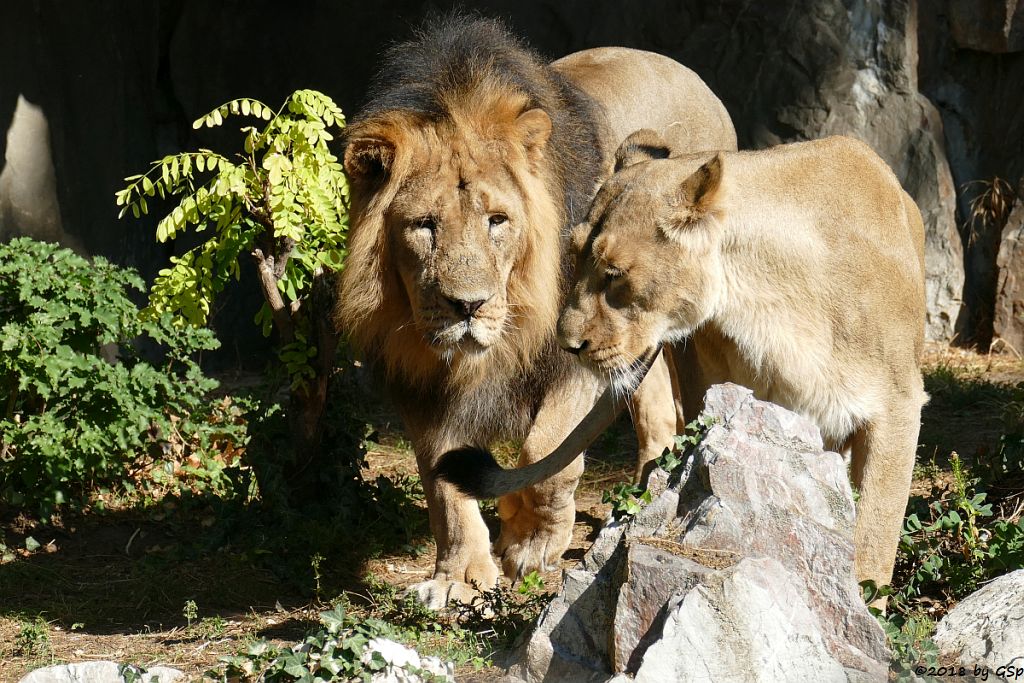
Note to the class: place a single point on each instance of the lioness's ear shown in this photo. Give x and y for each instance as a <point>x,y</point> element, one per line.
<point>697,196</point>
<point>534,126</point>
<point>643,145</point>
<point>701,188</point>
<point>368,159</point>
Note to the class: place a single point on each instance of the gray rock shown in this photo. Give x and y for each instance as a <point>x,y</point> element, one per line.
<point>987,627</point>
<point>653,576</point>
<point>406,665</point>
<point>1008,318</point>
<point>742,569</point>
<point>98,672</point>
<point>751,622</point>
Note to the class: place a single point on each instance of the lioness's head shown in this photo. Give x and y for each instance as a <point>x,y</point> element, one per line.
<point>455,232</point>
<point>647,263</point>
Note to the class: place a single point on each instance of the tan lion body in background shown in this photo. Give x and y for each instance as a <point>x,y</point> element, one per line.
<point>797,271</point>
<point>467,167</point>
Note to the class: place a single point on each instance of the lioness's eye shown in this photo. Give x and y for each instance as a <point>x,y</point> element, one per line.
<point>425,223</point>
<point>497,219</point>
<point>613,274</point>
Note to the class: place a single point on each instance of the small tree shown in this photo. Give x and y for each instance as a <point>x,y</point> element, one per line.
<point>283,201</point>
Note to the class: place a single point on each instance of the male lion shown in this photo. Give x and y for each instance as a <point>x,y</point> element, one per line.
<point>467,166</point>
<point>796,271</point>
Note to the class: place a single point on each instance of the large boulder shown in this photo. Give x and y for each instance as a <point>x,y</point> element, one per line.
<point>987,627</point>
<point>741,569</point>
<point>1008,317</point>
<point>976,87</point>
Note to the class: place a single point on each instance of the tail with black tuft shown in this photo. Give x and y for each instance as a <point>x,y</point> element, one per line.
<point>473,471</point>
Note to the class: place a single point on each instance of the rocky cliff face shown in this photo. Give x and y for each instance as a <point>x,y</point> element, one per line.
<point>108,88</point>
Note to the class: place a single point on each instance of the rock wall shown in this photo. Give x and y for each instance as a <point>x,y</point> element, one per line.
<point>102,89</point>
<point>972,69</point>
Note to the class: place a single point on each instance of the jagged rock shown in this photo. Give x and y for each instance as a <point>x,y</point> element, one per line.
<point>742,569</point>
<point>987,25</point>
<point>1008,318</point>
<point>98,672</point>
<point>987,627</point>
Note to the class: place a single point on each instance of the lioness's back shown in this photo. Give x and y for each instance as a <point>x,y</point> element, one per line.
<point>842,192</point>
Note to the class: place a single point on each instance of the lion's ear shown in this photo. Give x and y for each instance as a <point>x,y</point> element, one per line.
<point>368,159</point>
<point>643,145</point>
<point>697,196</point>
<point>534,127</point>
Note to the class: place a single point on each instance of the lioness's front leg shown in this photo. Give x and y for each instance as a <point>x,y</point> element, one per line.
<point>464,561</point>
<point>655,416</point>
<point>536,523</point>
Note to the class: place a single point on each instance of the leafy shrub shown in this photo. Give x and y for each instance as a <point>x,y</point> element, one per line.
<point>949,547</point>
<point>71,420</point>
<point>958,545</point>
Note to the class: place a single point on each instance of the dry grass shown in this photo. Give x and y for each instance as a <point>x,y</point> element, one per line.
<point>989,208</point>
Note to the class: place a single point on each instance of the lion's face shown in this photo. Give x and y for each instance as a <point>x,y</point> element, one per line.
<point>647,266</point>
<point>455,247</point>
<point>458,228</point>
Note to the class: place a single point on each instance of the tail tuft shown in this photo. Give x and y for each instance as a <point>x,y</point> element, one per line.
<point>473,471</point>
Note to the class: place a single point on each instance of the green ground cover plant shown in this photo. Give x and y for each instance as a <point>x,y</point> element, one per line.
<point>81,406</point>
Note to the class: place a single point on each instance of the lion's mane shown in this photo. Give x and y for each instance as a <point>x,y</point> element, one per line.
<point>472,72</point>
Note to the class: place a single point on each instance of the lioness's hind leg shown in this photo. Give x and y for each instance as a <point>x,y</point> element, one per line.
<point>537,522</point>
<point>653,410</point>
<point>882,466</point>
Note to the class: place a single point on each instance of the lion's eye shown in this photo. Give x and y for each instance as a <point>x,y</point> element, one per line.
<point>425,223</point>
<point>497,220</point>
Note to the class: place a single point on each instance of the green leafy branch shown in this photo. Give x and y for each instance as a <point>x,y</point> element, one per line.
<point>283,201</point>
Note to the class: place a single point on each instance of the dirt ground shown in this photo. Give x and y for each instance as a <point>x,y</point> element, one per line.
<point>114,586</point>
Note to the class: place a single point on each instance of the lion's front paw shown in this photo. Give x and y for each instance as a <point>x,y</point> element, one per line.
<point>531,540</point>
<point>435,594</point>
<point>456,580</point>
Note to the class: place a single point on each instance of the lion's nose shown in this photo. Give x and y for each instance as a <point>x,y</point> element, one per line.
<point>466,308</point>
<point>576,350</point>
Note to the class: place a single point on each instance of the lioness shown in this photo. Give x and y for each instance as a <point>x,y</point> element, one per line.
<point>467,167</point>
<point>796,271</point>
